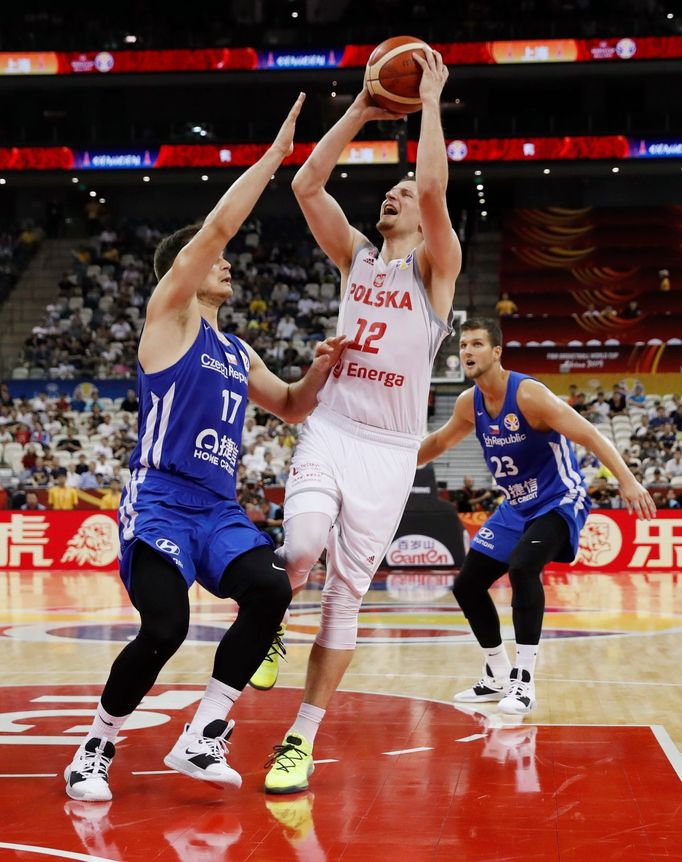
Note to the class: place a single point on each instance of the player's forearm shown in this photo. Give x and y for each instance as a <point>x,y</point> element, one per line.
<point>431,447</point>
<point>315,172</point>
<point>233,208</point>
<point>432,160</point>
<point>301,397</point>
<point>607,454</point>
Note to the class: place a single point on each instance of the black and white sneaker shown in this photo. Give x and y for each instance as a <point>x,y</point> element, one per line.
<point>204,757</point>
<point>520,697</point>
<point>488,688</point>
<point>87,776</point>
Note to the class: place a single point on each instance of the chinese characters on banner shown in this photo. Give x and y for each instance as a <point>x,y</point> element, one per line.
<point>58,540</point>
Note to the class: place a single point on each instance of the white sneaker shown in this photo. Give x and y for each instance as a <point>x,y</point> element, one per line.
<point>87,776</point>
<point>205,757</point>
<point>520,697</point>
<point>488,688</point>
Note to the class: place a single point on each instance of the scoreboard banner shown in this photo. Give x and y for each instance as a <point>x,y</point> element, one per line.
<point>614,541</point>
<point>624,49</point>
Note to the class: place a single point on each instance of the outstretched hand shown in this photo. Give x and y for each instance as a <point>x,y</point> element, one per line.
<point>434,74</point>
<point>370,111</point>
<point>638,500</point>
<point>284,142</point>
<point>328,353</point>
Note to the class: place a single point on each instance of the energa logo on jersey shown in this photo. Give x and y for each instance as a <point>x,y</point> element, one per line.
<point>511,422</point>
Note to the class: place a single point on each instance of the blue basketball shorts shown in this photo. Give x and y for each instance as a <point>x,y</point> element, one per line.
<point>196,531</point>
<point>502,532</point>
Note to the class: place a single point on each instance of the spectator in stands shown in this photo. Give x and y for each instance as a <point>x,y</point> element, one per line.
<point>637,398</point>
<point>617,402</point>
<point>89,478</point>
<point>272,521</point>
<point>29,458</point>
<point>82,466</point>
<point>673,467</point>
<point>77,402</point>
<point>600,404</point>
<point>573,393</point>
<point>70,443</point>
<point>61,497</point>
<point>22,434</point>
<point>660,418</point>
<point>631,310</point>
<point>467,499</point>
<point>664,280</point>
<point>130,404</point>
<point>642,429</point>
<point>579,405</point>
<point>39,434</point>
<point>505,306</point>
<point>658,477</point>
<point>32,503</point>
<point>73,479</point>
<point>286,327</point>
<point>112,498</point>
<point>600,494</point>
<point>666,436</point>
<point>6,399</point>
<point>589,459</point>
<point>671,501</point>
<point>676,418</point>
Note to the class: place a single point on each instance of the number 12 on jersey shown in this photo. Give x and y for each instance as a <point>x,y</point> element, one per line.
<point>375,331</point>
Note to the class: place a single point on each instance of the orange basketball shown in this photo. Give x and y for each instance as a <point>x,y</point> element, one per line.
<point>392,75</point>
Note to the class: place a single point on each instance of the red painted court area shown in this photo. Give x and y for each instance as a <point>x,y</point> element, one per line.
<point>406,776</point>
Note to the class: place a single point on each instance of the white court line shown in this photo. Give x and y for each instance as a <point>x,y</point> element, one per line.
<point>49,851</point>
<point>330,760</point>
<point>670,750</point>
<point>472,737</point>
<point>408,750</point>
<point>156,772</point>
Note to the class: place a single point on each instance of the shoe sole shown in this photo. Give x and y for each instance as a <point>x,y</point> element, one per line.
<point>483,698</point>
<point>281,791</point>
<point>262,687</point>
<point>192,771</point>
<point>87,797</point>
<point>511,710</point>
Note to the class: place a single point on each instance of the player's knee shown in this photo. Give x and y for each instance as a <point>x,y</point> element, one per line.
<point>260,583</point>
<point>339,623</point>
<point>164,637</point>
<point>466,588</point>
<point>525,562</point>
<point>299,566</point>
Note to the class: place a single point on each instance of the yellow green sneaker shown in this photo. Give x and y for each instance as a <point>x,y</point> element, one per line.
<point>291,764</point>
<point>266,675</point>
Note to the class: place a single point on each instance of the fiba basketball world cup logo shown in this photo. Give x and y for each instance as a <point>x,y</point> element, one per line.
<point>511,422</point>
<point>600,541</point>
<point>95,543</point>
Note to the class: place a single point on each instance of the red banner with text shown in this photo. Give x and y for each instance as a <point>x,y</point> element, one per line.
<point>614,541</point>
<point>58,540</point>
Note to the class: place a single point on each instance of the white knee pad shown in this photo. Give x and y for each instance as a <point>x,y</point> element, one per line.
<point>340,609</point>
<point>305,537</point>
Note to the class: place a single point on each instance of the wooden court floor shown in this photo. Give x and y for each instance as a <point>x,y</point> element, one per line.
<point>595,770</point>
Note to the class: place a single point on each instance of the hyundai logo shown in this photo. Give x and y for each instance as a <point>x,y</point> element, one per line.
<point>486,533</point>
<point>167,546</point>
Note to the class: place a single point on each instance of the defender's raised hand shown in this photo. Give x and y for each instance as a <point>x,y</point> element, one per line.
<point>284,142</point>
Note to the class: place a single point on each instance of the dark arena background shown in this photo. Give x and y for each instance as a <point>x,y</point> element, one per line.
<point>563,129</point>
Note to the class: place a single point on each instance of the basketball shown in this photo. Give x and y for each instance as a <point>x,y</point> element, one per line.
<point>392,75</point>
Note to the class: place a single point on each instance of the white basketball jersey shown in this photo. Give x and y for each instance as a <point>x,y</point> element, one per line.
<point>384,375</point>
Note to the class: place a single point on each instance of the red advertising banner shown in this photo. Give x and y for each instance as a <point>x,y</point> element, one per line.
<point>621,359</point>
<point>58,540</point>
<point>614,541</point>
<point>519,52</point>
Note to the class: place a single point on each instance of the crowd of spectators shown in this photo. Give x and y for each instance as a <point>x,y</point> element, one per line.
<point>271,22</point>
<point>18,244</point>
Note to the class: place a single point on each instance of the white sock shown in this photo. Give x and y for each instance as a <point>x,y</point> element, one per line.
<point>498,662</point>
<point>526,656</point>
<point>106,726</point>
<point>217,702</point>
<point>308,721</point>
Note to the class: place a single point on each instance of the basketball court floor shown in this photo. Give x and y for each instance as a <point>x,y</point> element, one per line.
<point>594,773</point>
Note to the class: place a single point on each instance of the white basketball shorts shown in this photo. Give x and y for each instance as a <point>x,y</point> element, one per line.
<point>360,476</point>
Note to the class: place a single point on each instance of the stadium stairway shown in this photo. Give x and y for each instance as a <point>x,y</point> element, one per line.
<point>481,288</point>
<point>25,306</point>
<point>466,459</point>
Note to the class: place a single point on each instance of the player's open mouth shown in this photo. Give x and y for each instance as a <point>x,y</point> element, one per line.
<point>389,209</point>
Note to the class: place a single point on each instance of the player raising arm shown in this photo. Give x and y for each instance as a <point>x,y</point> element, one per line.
<point>179,520</point>
<point>525,432</point>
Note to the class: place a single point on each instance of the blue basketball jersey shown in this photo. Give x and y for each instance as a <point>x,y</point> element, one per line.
<point>191,414</point>
<point>537,470</point>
